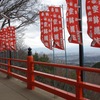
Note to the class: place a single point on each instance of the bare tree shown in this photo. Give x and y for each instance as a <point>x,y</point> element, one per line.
<point>22,13</point>
<point>25,12</point>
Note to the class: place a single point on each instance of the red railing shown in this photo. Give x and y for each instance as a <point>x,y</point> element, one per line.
<point>31,73</point>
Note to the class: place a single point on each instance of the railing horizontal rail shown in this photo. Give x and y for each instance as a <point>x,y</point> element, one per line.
<point>90,86</point>
<point>2,64</point>
<point>15,67</point>
<point>22,78</point>
<point>4,71</point>
<point>69,81</point>
<point>57,78</point>
<point>97,70</point>
<point>18,60</point>
<point>79,85</point>
<point>12,59</point>
<point>4,58</point>
<point>19,68</point>
<point>54,90</point>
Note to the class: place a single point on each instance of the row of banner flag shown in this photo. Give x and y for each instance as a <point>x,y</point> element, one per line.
<point>93,21</point>
<point>7,39</point>
<point>51,22</point>
<point>52,29</point>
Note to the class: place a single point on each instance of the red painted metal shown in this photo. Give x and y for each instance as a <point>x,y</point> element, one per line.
<point>22,78</point>
<point>79,91</point>
<point>2,64</point>
<point>30,69</point>
<point>4,58</point>
<point>3,71</point>
<point>68,66</point>
<point>19,60</point>
<point>55,77</point>
<point>54,90</point>
<point>9,66</point>
<point>31,83</point>
<point>90,86</point>
<point>19,68</point>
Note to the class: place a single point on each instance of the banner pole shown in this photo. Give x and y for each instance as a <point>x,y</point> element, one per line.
<point>66,73</point>
<point>9,50</point>
<point>53,55</point>
<point>64,34</point>
<point>81,50</point>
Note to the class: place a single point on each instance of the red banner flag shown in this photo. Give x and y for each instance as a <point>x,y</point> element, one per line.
<point>93,21</point>
<point>2,39</point>
<point>7,39</point>
<point>11,38</point>
<point>45,26</point>
<point>57,32</point>
<point>95,44</point>
<point>72,21</point>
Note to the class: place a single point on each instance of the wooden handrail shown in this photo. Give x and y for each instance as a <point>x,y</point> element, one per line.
<point>31,73</point>
<point>97,70</point>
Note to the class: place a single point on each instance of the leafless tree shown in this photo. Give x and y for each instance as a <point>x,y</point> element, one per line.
<point>23,12</point>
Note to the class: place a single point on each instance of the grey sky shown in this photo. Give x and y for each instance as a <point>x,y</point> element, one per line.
<point>33,36</point>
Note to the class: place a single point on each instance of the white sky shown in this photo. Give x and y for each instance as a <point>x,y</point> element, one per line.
<point>53,2</point>
<point>32,38</point>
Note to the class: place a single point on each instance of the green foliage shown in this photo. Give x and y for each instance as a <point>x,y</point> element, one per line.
<point>97,65</point>
<point>41,68</point>
<point>36,57</point>
<point>43,58</point>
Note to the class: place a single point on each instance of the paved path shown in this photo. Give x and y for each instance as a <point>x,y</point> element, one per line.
<point>13,89</point>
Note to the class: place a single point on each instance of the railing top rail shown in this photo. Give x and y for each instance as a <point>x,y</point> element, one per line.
<point>29,78</point>
<point>12,59</point>
<point>68,66</point>
<point>18,60</point>
<point>97,70</point>
<point>4,58</point>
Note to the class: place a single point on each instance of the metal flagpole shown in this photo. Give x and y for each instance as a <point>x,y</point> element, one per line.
<point>53,45</point>
<point>53,55</point>
<point>9,50</point>
<point>81,51</point>
<point>66,74</point>
<point>6,18</point>
<point>64,34</point>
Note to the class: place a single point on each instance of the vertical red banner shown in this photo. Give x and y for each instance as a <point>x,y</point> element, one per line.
<point>3,39</point>
<point>93,21</point>
<point>7,39</point>
<point>45,27</point>
<point>57,31</point>
<point>11,38</point>
<point>0,40</point>
<point>72,18</point>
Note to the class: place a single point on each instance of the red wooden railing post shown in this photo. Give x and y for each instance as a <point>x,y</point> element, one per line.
<point>9,68</point>
<point>79,91</point>
<point>30,69</point>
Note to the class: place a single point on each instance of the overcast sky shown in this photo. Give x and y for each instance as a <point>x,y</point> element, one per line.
<point>32,37</point>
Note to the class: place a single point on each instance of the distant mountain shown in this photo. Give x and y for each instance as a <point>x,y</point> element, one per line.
<point>70,50</point>
<point>41,50</point>
<point>91,55</point>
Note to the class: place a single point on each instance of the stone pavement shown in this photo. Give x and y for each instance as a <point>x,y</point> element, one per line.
<point>13,89</point>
